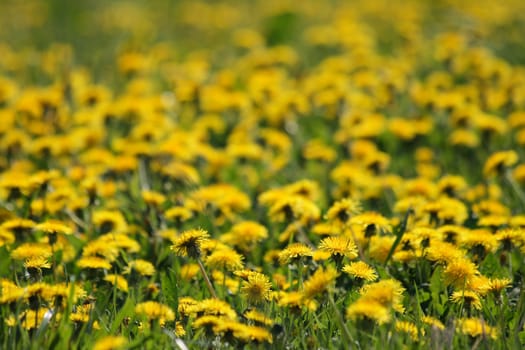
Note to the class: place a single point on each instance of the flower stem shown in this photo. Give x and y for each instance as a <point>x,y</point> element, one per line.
<point>344,330</point>
<point>206,278</point>
<point>515,187</point>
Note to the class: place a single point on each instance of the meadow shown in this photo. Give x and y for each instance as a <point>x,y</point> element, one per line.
<point>262,174</point>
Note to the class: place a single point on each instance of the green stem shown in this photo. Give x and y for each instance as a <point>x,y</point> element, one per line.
<point>207,279</point>
<point>515,187</point>
<point>344,330</point>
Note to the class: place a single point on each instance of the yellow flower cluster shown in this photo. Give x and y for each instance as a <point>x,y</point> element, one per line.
<point>309,160</point>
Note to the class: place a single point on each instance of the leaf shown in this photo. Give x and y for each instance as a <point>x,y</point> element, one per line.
<point>436,288</point>
<point>125,311</point>
<point>170,289</point>
<point>399,234</point>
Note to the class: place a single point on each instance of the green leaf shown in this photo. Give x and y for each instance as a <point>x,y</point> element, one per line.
<point>170,289</point>
<point>436,288</point>
<point>125,311</point>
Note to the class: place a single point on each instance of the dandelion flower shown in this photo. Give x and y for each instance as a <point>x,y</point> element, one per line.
<point>189,243</point>
<point>54,227</point>
<point>93,262</point>
<point>368,309</point>
<point>339,246</point>
<point>142,267</point>
<point>155,311</point>
<point>227,259</point>
<point>255,334</point>
<point>258,317</point>
<point>466,297</point>
<point>386,292</point>
<point>189,271</point>
<point>214,307</point>
<point>459,272</point>
<point>37,262</point>
<point>407,327</point>
<point>498,162</point>
<point>476,327</point>
<point>320,282</point>
<point>257,288</point>
<point>294,252</point>
<point>110,342</point>
<point>499,284</point>
<point>31,250</point>
<point>118,281</point>
<point>296,301</point>
<point>433,322</point>
<point>341,211</point>
<point>361,271</point>
<point>245,235</point>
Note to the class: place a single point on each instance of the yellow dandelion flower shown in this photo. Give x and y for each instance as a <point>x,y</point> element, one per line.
<point>208,322</point>
<point>409,328</point>
<point>37,262</point>
<point>294,252</point>
<point>370,310</point>
<point>152,198</point>
<point>231,284</point>
<point>341,211</point>
<point>121,241</point>
<point>371,223</point>
<point>339,246</point>
<point>227,259</point>
<point>459,272</point>
<point>189,243</point>
<point>10,292</point>
<point>31,250</point>
<point>189,271</point>
<point>321,281</point>
<point>153,310</point>
<point>18,226</point>
<point>54,227</point>
<point>296,301</point>
<point>6,237</point>
<point>256,288</point>
<point>467,298</point>
<point>178,214</point>
<point>433,322</point>
<point>511,237</point>
<point>386,292</point>
<point>498,162</point>
<point>443,252</point>
<point>179,330</point>
<point>186,305</point>
<point>252,334</point>
<point>110,342</point>
<point>380,247</point>
<point>214,307</point>
<point>258,317</point>
<point>499,284</point>
<point>294,207</point>
<point>142,267</point>
<point>360,270</point>
<point>93,262</point>
<point>31,319</point>
<point>101,248</point>
<point>451,233</point>
<point>118,281</point>
<point>307,189</point>
<point>109,221</point>
<point>245,235</point>
<point>476,327</point>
